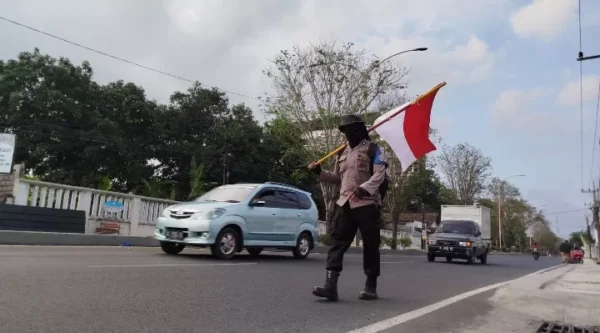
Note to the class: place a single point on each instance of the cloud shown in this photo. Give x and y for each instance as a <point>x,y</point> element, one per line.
<point>516,109</point>
<point>543,19</point>
<point>571,93</point>
<point>229,43</point>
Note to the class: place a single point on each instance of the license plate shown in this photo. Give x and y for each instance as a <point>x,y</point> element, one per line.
<point>446,248</point>
<point>175,235</point>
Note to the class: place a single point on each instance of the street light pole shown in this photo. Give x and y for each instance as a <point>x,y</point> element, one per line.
<point>418,49</point>
<point>500,194</point>
<point>377,62</point>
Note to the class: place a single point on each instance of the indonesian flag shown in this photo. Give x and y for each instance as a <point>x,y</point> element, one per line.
<point>407,133</point>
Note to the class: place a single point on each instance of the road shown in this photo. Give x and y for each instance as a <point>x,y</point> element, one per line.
<point>115,289</point>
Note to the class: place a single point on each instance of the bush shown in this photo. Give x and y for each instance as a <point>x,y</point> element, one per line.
<point>324,240</point>
<point>385,241</point>
<point>405,241</point>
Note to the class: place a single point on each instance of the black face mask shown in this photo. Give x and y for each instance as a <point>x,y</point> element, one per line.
<point>355,133</point>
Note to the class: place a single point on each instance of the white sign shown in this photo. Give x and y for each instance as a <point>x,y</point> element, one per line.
<point>7,151</point>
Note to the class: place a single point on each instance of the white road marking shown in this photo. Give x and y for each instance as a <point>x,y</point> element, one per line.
<point>396,262</point>
<point>171,265</point>
<point>400,319</point>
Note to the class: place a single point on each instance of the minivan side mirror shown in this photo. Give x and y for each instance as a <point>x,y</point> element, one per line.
<point>257,203</point>
<point>477,233</point>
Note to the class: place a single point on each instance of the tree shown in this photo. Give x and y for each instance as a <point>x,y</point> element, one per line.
<point>545,237</point>
<point>189,129</point>
<point>49,103</point>
<point>318,84</point>
<point>580,237</point>
<point>72,130</point>
<point>466,170</point>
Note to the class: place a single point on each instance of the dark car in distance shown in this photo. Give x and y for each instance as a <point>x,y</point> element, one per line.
<point>458,239</point>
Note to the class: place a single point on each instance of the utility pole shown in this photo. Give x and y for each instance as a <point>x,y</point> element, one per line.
<point>500,193</point>
<point>595,216</point>
<point>500,198</point>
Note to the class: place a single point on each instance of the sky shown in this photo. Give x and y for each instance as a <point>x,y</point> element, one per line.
<point>513,80</point>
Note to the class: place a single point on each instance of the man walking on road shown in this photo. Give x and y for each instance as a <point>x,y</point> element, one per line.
<point>565,250</point>
<point>361,173</point>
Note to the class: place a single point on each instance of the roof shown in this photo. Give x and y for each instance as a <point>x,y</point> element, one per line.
<point>276,184</point>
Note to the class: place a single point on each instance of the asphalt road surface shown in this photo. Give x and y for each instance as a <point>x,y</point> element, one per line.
<point>115,289</point>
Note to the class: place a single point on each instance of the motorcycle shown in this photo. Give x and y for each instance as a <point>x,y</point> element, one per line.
<point>576,257</point>
<point>536,254</point>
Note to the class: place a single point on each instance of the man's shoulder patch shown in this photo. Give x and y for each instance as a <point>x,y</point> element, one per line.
<point>379,157</point>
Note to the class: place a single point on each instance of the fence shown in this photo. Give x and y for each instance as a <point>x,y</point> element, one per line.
<point>416,241</point>
<point>139,213</point>
<point>137,218</point>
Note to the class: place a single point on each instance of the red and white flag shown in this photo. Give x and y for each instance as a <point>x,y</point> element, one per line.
<point>407,133</point>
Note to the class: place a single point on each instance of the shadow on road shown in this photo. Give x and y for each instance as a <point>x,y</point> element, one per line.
<point>476,264</point>
<point>243,257</point>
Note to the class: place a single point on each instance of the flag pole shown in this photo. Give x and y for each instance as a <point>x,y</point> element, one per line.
<point>372,128</point>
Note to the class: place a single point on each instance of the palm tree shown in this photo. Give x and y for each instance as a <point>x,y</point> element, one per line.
<point>154,188</point>
<point>198,185</point>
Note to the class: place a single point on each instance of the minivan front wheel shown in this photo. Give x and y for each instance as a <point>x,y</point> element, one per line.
<point>226,244</point>
<point>172,248</point>
<point>302,248</point>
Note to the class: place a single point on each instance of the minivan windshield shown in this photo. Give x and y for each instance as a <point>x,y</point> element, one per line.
<point>227,193</point>
<point>457,227</point>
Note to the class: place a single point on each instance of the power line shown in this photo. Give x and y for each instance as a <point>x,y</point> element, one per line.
<point>119,58</point>
<point>566,211</point>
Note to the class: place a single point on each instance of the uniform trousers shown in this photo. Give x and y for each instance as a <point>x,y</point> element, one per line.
<point>365,219</point>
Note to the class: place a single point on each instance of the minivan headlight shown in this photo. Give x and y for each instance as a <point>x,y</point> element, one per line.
<point>210,215</point>
<point>432,241</point>
<point>467,244</point>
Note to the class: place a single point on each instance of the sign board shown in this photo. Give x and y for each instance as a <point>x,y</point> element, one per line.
<point>113,206</point>
<point>7,152</point>
<point>529,232</point>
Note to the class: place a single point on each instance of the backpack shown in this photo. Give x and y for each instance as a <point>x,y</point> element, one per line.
<point>371,151</point>
<point>383,188</point>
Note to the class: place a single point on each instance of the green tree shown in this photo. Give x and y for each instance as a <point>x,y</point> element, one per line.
<point>188,126</point>
<point>51,105</point>
<point>72,130</point>
<point>545,237</point>
<point>580,237</point>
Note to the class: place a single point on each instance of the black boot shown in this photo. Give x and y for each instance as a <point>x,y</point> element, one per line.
<point>329,290</point>
<point>370,291</point>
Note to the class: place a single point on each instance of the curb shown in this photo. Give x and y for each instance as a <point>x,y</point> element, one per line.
<point>51,238</point>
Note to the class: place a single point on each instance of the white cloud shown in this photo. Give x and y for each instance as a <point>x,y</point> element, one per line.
<point>543,19</point>
<point>516,109</point>
<point>229,43</point>
<point>570,95</point>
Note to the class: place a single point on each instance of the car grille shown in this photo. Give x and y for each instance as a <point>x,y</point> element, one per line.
<point>177,214</point>
<point>184,230</point>
<point>447,242</point>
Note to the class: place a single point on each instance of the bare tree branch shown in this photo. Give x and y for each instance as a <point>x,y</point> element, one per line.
<point>316,85</point>
<point>466,170</point>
